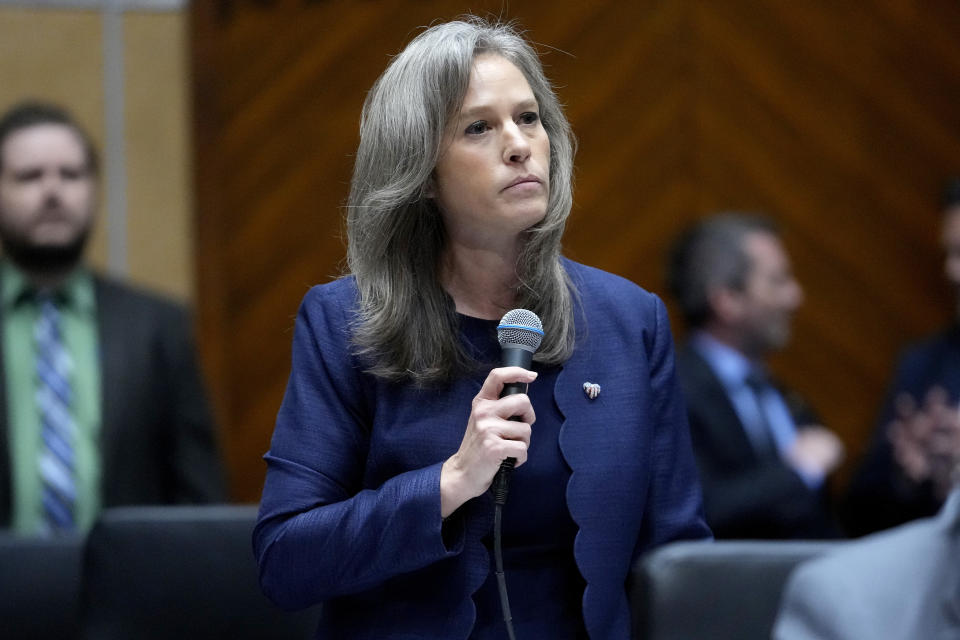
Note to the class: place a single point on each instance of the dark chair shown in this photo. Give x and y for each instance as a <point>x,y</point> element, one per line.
<point>39,587</point>
<point>727,590</point>
<point>179,573</point>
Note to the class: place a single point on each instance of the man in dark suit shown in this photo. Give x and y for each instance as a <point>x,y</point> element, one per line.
<point>763,457</point>
<point>903,476</point>
<point>101,401</point>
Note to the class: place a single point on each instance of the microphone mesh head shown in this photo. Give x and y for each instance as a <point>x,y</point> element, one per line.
<point>520,328</point>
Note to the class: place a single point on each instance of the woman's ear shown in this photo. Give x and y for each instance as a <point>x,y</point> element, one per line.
<point>430,188</point>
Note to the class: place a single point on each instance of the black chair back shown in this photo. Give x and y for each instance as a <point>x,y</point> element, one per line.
<point>728,590</point>
<point>179,573</point>
<point>39,587</point>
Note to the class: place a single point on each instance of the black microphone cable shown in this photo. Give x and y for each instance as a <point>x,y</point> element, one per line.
<point>520,333</point>
<point>502,481</point>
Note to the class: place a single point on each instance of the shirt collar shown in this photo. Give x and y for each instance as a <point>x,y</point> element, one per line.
<point>76,292</point>
<point>731,366</point>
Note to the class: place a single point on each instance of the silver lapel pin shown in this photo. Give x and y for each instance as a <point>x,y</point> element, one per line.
<point>592,389</point>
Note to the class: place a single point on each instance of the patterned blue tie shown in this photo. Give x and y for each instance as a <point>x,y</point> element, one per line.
<point>57,426</point>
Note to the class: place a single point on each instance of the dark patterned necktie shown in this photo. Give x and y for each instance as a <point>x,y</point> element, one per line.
<point>763,442</point>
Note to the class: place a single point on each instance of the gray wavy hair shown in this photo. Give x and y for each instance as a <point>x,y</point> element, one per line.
<point>408,326</point>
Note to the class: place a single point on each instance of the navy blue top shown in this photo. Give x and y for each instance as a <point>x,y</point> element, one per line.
<point>537,529</point>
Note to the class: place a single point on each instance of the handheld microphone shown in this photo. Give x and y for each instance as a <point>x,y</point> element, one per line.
<point>519,333</point>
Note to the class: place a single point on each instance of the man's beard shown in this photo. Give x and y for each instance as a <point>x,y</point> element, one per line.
<point>44,259</point>
<point>761,341</point>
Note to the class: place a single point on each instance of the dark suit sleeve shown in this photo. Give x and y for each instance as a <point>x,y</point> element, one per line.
<point>196,474</point>
<point>761,500</point>
<point>880,495</point>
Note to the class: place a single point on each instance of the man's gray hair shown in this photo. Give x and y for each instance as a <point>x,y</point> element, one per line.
<point>711,254</point>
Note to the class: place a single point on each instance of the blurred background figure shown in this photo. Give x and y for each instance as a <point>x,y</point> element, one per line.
<point>900,584</point>
<point>101,399</point>
<point>763,456</point>
<point>906,472</point>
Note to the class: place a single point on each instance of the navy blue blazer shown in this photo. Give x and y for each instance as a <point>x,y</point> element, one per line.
<point>350,512</point>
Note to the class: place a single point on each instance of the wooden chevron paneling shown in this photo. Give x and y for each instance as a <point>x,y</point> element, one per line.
<point>834,118</point>
<point>839,119</point>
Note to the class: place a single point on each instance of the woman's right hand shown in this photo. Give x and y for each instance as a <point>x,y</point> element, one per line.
<point>490,437</point>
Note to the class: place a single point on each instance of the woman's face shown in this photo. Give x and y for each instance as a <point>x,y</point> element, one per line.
<point>492,179</point>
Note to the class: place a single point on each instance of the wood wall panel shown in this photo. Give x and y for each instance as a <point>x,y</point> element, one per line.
<point>838,120</point>
<point>833,118</point>
<point>57,54</point>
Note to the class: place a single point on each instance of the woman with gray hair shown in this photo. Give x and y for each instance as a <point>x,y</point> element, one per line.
<point>392,429</point>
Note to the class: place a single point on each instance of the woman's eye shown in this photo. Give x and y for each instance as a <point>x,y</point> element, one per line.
<point>477,127</point>
<point>529,117</point>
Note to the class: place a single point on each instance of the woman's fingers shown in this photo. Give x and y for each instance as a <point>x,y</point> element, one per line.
<point>497,378</point>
